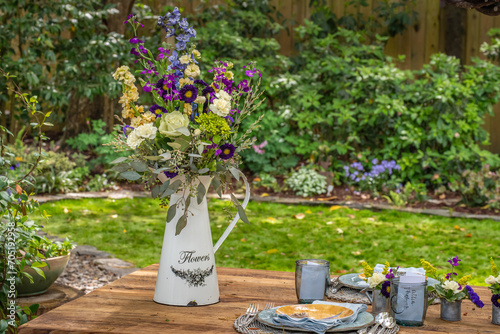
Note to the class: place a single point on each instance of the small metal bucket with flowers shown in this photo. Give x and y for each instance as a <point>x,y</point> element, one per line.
<point>451,291</point>
<point>494,281</point>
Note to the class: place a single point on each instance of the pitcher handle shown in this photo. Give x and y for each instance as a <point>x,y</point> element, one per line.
<point>237,217</point>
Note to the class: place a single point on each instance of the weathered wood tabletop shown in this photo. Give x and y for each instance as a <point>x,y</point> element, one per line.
<point>126,306</point>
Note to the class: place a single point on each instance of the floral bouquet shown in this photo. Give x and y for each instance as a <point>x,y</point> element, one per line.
<point>379,281</point>
<point>448,288</point>
<point>494,281</point>
<point>192,127</point>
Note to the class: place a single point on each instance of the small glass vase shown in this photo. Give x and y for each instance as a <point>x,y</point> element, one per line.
<point>451,311</point>
<point>380,303</point>
<point>495,315</point>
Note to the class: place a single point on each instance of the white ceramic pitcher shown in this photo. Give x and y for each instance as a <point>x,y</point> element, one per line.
<point>187,275</point>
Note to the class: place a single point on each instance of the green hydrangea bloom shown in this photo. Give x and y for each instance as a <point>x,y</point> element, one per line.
<point>213,125</point>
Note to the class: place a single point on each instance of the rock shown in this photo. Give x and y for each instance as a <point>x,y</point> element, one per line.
<point>116,266</point>
<point>89,250</point>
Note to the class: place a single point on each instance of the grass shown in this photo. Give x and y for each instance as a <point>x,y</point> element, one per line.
<point>133,231</point>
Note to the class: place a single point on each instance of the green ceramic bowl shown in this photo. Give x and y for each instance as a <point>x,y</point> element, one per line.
<point>55,266</point>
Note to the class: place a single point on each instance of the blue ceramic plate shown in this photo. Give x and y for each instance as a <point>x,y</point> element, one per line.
<point>365,319</point>
<point>351,281</point>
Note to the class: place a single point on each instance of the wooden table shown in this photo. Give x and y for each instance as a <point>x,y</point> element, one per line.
<point>126,306</point>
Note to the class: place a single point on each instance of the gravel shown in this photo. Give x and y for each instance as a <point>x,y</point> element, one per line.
<point>84,274</point>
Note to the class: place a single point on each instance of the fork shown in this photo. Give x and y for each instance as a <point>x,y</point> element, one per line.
<point>250,314</point>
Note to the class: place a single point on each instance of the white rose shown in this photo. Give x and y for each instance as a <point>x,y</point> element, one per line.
<point>376,279</point>
<point>171,122</point>
<point>147,131</point>
<point>192,70</point>
<point>490,280</point>
<point>223,95</point>
<point>185,59</point>
<point>200,99</point>
<point>498,279</point>
<point>221,107</point>
<point>452,285</point>
<point>134,140</point>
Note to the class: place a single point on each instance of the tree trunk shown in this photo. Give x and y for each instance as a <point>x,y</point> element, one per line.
<point>454,20</point>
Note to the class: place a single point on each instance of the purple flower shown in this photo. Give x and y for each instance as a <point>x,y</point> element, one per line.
<point>188,93</point>
<point>200,82</point>
<point>157,110</point>
<point>386,289</point>
<point>449,275</point>
<point>454,261</point>
<point>227,151</point>
<point>474,297</point>
<point>170,175</point>
<point>374,161</point>
<point>207,90</point>
<point>390,274</point>
<point>495,299</point>
<point>163,85</point>
<point>124,129</point>
<point>135,40</point>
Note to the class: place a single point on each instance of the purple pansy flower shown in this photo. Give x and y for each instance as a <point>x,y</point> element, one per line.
<point>188,93</point>
<point>386,289</point>
<point>170,175</point>
<point>449,275</point>
<point>227,151</point>
<point>495,299</point>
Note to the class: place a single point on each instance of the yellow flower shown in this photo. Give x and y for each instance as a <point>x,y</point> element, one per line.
<point>197,54</point>
<point>385,271</point>
<point>229,75</point>
<point>464,280</point>
<point>494,268</point>
<point>192,70</point>
<point>185,81</point>
<point>188,108</point>
<point>429,269</point>
<point>367,270</point>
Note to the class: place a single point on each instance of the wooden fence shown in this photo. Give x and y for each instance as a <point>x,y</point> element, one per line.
<point>417,43</point>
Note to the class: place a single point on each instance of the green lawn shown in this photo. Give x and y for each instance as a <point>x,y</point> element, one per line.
<point>133,230</point>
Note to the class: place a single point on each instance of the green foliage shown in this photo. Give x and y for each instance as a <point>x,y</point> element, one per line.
<point>481,188</point>
<point>409,194</point>
<point>307,182</point>
<point>58,50</point>
<point>267,181</point>
<point>353,103</point>
<point>20,246</point>
<point>94,144</point>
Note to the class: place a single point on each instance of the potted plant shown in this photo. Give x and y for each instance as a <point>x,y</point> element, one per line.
<point>41,275</point>
<point>494,281</point>
<point>451,291</point>
<point>20,247</point>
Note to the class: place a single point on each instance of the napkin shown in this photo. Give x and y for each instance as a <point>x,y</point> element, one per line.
<point>320,326</point>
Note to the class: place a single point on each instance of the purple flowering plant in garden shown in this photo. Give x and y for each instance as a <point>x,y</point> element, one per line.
<point>380,176</point>
<point>193,126</point>
<point>448,287</point>
<point>494,281</point>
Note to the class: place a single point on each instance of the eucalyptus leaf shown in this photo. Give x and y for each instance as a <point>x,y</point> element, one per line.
<point>243,215</point>
<point>188,202</point>
<point>234,200</point>
<point>201,193</point>
<point>174,145</point>
<point>217,186</point>
<point>153,157</point>
<point>139,166</point>
<point>200,149</point>
<point>117,161</point>
<point>172,210</point>
<point>195,155</point>
<point>172,188</point>
<point>184,131</point>
<point>155,191</point>
<point>166,155</point>
<point>235,173</point>
<point>130,175</point>
<point>181,223</point>
<point>203,170</point>
<point>164,186</point>
<point>121,168</point>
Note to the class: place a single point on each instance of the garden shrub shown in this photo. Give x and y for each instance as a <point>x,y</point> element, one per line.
<point>481,188</point>
<point>307,182</point>
<point>94,145</point>
<point>352,103</point>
